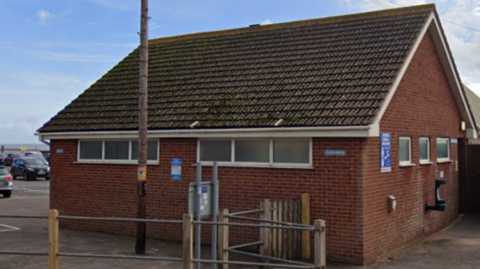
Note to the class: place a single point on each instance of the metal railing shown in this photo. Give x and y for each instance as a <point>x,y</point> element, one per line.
<point>188,247</point>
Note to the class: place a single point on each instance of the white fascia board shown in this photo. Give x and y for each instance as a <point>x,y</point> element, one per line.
<point>433,27</point>
<point>346,131</point>
<point>402,70</point>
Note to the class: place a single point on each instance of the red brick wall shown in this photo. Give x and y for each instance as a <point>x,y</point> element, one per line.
<point>109,190</point>
<point>423,106</point>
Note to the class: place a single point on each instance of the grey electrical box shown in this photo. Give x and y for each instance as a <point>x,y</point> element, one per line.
<point>206,199</point>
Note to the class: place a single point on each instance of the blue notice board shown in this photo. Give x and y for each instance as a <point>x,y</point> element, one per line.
<point>385,152</point>
<point>176,169</point>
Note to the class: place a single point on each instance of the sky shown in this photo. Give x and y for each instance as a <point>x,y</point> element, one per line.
<point>51,51</point>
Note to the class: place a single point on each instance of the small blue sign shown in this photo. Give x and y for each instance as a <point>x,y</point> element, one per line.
<point>335,152</point>
<point>453,141</point>
<point>176,169</point>
<point>385,152</point>
<point>204,189</point>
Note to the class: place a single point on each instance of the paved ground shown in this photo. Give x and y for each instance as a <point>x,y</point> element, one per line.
<point>458,247</point>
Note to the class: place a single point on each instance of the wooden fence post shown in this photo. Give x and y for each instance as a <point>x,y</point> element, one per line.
<point>53,239</point>
<point>223,243</point>
<point>305,198</point>
<point>187,241</point>
<point>320,250</point>
<point>265,234</point>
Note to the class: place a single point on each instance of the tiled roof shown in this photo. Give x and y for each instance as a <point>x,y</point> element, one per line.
<point>324,72</point>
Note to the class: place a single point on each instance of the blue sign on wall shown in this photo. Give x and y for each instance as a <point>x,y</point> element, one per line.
<point>385,152</point>
<point>176,169</point>
<point>335,152</point>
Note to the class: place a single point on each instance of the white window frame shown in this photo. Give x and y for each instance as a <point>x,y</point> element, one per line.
<point>269,164</point>
<point>105,161</point>
<point>443,160</point>
<point>409,162</point>
<point>424,161</point>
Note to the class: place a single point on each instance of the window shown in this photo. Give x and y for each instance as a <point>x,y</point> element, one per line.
<point>152,150</point>
<point>262,152</point>
<point>291,151</point>
<point>424,150</point>
<point>216,150</point>
<point>405,151</point>
<point>91,150</point>
<point>252,151</point>
<point>443,149</point>
<point>115,151</point>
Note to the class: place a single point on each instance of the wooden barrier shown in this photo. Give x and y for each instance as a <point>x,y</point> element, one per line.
<point>286,244</point>
<point>223,243</point>
<point>320,256</point>
<point>53,239</point>
<point>187,241</point>
<point>305,201</point>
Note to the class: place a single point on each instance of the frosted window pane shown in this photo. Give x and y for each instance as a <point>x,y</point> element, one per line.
<point>252,151</point>
<point>91,150</point>
<point>116,150</point>
<point>424,149</point>
<point>216,150</point>
<point>152,150</point>
<point>404,150</point>
<point>442,148</point>
<point>291,151</point>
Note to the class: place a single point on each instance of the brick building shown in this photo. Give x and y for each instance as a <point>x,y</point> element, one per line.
<point>269,103</point>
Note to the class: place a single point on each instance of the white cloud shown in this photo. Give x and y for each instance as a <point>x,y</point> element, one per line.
<point>266,22</point>
<point>44,16</point>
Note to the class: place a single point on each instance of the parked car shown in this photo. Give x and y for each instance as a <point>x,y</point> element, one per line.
<point>46,155</point>
<point>3,156</point>
<point>6,184</point>
<point>10,158</point>
<point>36,155</point>
<point>30,169</point>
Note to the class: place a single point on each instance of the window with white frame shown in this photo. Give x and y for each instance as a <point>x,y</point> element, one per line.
<point>115,150</point>
<point>424,150</point>
<point>270,152</point>
<point>443,149</point>
<point>405,151</point>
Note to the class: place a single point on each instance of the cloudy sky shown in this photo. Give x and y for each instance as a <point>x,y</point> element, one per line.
<point>51,51</point>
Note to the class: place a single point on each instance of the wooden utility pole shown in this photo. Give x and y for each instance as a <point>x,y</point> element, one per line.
<point>142,131</point>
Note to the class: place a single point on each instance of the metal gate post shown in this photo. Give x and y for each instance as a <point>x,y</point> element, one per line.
<point>215,195</point>
<point>53,239</point>
<point>198,236</point>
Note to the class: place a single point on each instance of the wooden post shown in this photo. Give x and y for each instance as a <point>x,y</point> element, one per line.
<point>223,236</point>
<point>140,246</point>
<point>320,250</point>
<point>266,234</point>
<point>53,239</point>
<point>280,231</point>
<point>305,220</point>
<point>187,241</point>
